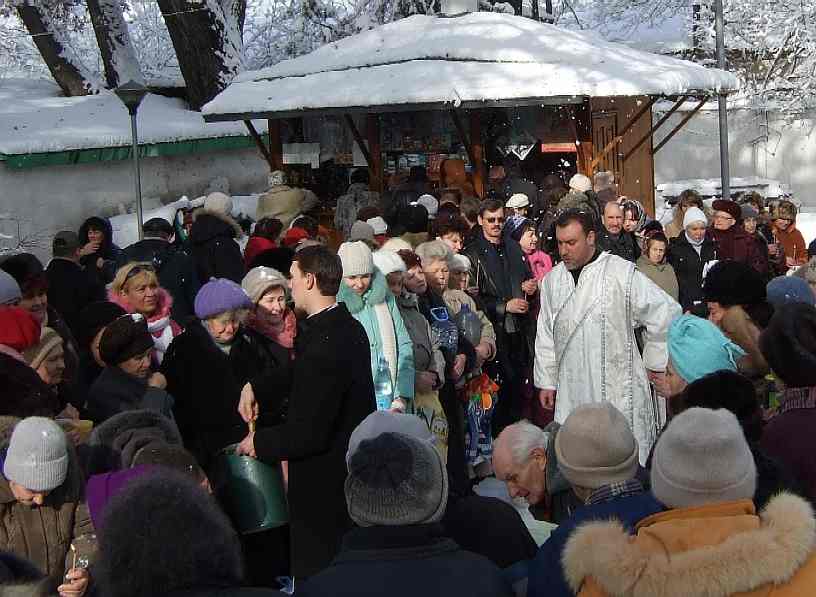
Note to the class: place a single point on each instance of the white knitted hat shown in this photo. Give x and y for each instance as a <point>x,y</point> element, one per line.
<point>581,183</point>
<point>378,224</point>
<point>517,201</point>
<point>356,259</point>
<point>388,262</point>
<point>37,456</point>
<point>694,214</point>
<point>219,203</point>
<point>430,203</point>
<point>703,458</point>
<point>260,279</point>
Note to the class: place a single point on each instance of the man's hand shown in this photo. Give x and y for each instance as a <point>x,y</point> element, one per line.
<point>529,287</point>
<point>157,380</point>
<point>517,306</point>
<point>658,380</point>
<point>248,406</point>
<point>459,366</point>
<point>424,381</point>
<point>247,447</point>
<point>77,583</point>
<point>89,249</point>
<point>482,353</point>
<point>547,399</point>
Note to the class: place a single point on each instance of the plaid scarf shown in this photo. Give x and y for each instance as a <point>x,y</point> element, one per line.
<point>614,491</point>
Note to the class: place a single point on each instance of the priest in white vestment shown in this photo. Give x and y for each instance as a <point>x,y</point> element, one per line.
<point>585,348</point>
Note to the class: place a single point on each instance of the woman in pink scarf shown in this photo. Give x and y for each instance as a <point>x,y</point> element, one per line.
<point>268,290</point>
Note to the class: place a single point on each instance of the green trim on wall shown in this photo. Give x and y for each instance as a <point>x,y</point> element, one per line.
<point>21,161</point>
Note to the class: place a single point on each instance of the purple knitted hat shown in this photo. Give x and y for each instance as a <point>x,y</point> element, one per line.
<point>220,295</point>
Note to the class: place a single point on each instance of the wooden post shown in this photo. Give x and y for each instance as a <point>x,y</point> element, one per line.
<point>619,139</point>
<point>477,151</point>
<point>654,129</point>
<point>260,143</point>
<point>375,170</point>
<point>358,138</point>
<point>680,125</point>
<point>275,144</point>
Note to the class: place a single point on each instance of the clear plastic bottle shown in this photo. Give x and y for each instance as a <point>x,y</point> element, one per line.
<point>383,388</point>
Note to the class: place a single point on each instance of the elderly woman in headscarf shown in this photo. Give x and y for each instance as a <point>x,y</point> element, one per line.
<point>268,289</point>
<point>136,289</point>
<point>216,361</point>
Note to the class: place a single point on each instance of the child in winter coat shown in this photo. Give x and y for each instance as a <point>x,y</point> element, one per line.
<point>523,231</point>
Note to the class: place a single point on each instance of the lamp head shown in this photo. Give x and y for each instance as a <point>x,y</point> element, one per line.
<point>131,94</point>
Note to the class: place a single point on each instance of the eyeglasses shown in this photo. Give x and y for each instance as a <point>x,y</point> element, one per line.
<point>723,218</point>
<point>495,220</point>
<point>139,269</point>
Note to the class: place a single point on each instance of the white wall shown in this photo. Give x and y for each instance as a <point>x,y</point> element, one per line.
<point>47,199</point>
<point>770,148</point>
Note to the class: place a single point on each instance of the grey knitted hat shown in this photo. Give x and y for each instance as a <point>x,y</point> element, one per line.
<point>37,456</point>
<point>703,458</point>
<point>260,279</point>
<point>356,258</point>
<point>396,480</point>
<point>9,289</point>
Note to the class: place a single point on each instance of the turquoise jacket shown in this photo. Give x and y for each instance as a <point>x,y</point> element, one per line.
<point>362,309</point>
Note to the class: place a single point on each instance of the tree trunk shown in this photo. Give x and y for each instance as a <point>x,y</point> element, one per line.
<point>69,75</point>
<point>207,41</point>
<point>118,56</point>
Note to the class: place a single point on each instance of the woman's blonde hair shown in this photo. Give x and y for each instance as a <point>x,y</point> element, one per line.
<point>133,272</point>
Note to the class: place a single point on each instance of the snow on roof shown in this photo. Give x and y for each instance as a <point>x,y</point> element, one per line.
<point>36,118</point>
<point>477,57</point>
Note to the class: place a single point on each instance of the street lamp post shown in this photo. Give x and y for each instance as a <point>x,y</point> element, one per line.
<point>722,100</point>
<point>132,94</point>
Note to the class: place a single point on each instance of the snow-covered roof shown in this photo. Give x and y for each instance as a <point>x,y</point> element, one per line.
<point>467,61</point>
<point>36,118</point>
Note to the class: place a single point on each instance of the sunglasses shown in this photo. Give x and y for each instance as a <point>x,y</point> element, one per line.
<point>139,269</point>
<point>495,220</point>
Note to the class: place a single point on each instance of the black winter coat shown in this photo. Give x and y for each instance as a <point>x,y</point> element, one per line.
<point>688,266</point>
<point>114,391</point>
<point>108,252</point>
<point>624,246</point>
<point>206,384</point>
<point>215,252</point>
<point>70,289</point>
<point>175,270</point>
<point>406,561</point>
<point>332,392</point>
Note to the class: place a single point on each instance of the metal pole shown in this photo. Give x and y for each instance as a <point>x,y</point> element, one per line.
<point>136,174</point>
<point>722,101</point>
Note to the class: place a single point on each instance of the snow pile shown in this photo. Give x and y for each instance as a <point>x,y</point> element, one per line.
<point>36,118</point>
<point>475,57</point>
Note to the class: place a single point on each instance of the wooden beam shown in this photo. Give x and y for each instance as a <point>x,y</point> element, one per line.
<point>275,143</point>
<point>619,138</point>
<point>358,138</point>
<point>375,171</point>
<point>460,128</point>
<point>477,151</point>
<point>655,128</point>
<point>680,125</point>
<point>260,143</point>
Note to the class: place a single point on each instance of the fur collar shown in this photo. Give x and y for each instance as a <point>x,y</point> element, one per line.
<point>745,561</point>
<point>375,294</point>
<point>228,220</point>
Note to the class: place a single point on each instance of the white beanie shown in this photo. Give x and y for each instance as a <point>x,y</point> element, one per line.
<point>694,214</point>
<point>378,224</point>
<point>37,456</point>
<point>260,279</point>
<point>517,201</point>
<point>459,263</point>
<point>219,203</point>
<point>388,262</point>
<point>430,204</point>
<point>396,244</point>
<point>702,458</point>
<point>356,259</point>
<point>580,183</point>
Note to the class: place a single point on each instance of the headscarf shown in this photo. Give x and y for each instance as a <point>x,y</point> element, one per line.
<point>697,347</point>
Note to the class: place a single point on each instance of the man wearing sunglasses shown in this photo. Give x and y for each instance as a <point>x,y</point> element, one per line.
<point>505,284</point>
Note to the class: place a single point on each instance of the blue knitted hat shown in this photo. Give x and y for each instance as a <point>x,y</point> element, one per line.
<point>697,347</point>
<point>220,295</point>
<point>789,289</point>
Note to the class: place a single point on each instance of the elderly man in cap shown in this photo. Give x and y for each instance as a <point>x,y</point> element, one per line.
<point>598,455</point>
<point>397,493</point>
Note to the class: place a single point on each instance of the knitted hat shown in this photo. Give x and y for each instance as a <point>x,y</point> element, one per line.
<point>396,245</point>
<point>37,456</point>
<point>789,289</point>
<point>388,262</point>
<point>789,344</point>
<point>35,355</point>
<point>124,338</point>
<point>749,211</point>
<point>430,203</point>
<point>517,201</point>
<point>294,236</point>
<point>379,225</point>
<point>381,421</point>
<point>10,293</point>
<point>694,214</point>
<point>733,283</point>
<point>18,328</point>
<point>459,263</point>
<point>785,210</point>
<point>218,296</point>
<point>27,270</point>
<point>93,318</point>
<point>260,279</point>
<point>219,203</point>
<point>697,347</point>
<point>515,226</point>
<point>396,480</point>
<point>702,458</point>
<point>732,208</point>
<point>580,183</point>
<point>596,447</point>
<point>361,231</point>
<point>356,259</point>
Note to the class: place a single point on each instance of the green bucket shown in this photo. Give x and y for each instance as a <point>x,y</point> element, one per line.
<point>251,492</point>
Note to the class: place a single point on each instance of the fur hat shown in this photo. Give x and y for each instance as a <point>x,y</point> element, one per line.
<point>260,279</point>
<point>694,214</point>
<point>356,258</point>
<point>115,443</point>
<point>702,458</point>
<point>18,329</point>
<point>218,296</point>
<point>219,203</point>
<point>361,231</point>
<point>388,262</point>
<point>37,456</point>
<point>124,338</point>
<point>595,447</point>
<point>163,508</point>
<point>580,183</point>
<point>49,340</point>
<point>789,344</point>
<point>733,283</point>
<point>789,289</point>
<point>10,293</point>
<point>785,210</point>
<point>732,208</point>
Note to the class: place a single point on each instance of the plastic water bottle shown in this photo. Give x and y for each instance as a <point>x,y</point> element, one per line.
<point>469,325</point>
<point>383,388</point>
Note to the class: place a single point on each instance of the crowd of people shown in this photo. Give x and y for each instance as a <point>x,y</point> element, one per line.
<point>545,392</point>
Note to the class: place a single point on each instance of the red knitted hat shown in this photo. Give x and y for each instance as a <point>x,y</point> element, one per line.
<point>18,328</point>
